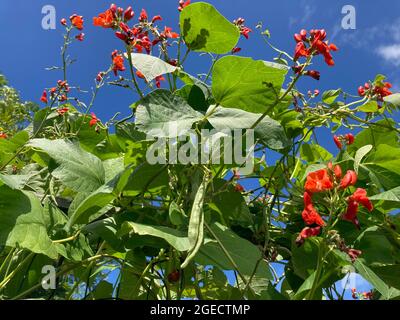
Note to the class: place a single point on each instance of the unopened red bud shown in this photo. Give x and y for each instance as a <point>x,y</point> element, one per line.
<point>128,14</point>
<point>121,36</point>
<point>63,21</point>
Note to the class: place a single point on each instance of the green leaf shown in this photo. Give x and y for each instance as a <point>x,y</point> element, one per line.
<point>314,153</point>
<point>392,195</point>
<point>330,96</point>
<point>360,154</point>
<point>175,238</point>
<point>23,222</point>
<point>247,84</point>
<point>205,29</point>
<point>369,106</point>
<point>393,100</point>
<point>372,278</point>
<point>151,67</point>
<point>196,222</point>
<point>78,169</point>
<point>163,114</point>
<point>244,253</point>
<point>389,274</point>
<point>176,214</point>
<point>269,132</point>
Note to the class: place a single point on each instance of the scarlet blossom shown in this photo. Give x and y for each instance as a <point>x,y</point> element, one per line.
<point>312,217</point>
<point>80,37</point>
<point>121,36</point>
<point>63,21</point>
<point>140,75</point>
<point>118,63</point>
<point>158,81</point>
<point>156,18</point>
<point>368,295</point>
<point>313,74</point>
<point>353,254</point>
<point>174,276</point>
<point>44,97</point>
<point>239,188</point>
<point>105,19</point>
<point>380,90</point>
<point>309,214</point>
<point>337,142</point>
<point>143,16</point>
<point>62,98</point>
<point>350,138</point>
<point>318,181</point>
<point>99,76</point>
<point>3,135</point>
<point>300,51</point>
<point>244,31</point>
<point>62,111</point>
<point>93,121</point>
<point>351,213</point>
<point>361,91</point>
<point>183,4</point>
<point>128,14</point>
<point>337,172</point>
<point>307,232</point>
<point>77,21</point>
<point>360,196</point>
<point>349,179</point>
<point>236,50</point>
<point>167,33</point>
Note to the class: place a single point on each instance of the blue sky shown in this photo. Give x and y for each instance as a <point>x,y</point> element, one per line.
<point>27,49</point>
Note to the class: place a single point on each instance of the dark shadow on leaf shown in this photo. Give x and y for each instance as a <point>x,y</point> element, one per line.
<point>201,39</point>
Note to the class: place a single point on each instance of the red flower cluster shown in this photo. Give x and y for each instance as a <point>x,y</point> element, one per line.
<point>183,4</point>
<point>364,295</point>
<point>3,135</point>
<point>379,90</point>
<point>138,36</point>
<point>347,138</point>
<point>314,45</point>
<point>118,62</point>
<point>318,181</point>
<point>244,31</point>
<point>307,232</point>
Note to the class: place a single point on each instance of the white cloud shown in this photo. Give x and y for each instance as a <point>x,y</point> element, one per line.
<point>309,11</point>
<point>391,53</point>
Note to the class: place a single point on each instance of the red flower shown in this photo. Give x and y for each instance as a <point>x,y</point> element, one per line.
<point>361,91</point>
<point>62,111</point>
<point>351,212</point>
<point>300,51</point>
<point>105,19</point>
<point>3,135</point>
<point>44,97</point>
<point>128,14</point>
<point>307,232</point>
<point>337,142</point>
<point>140,75</point>
<point>313,74</point>
<point>309,214</point>
<point>63,21</point>
<point>158,81</point>
<point>156,18</point>
<point>143,16</point>
<point>167,33</point>
<point>316,92</point>
<point>368,295</point>
<point>77,21</point>
<point>354,293</point>
<point>318,181</point>
<point>239,188</point>
<point>183,4</point>
<point>236,50</point>
<point>174,276</point>
<point>338,172</point>
<point>349,179</point>
<point>93,121</point>
<point>353,254</point>
<point>360,196</point>
<point>80,37</point>
<point>244,31</point>
<point>118,63</point>
<point>121,36</point>
<point>350,138</point>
